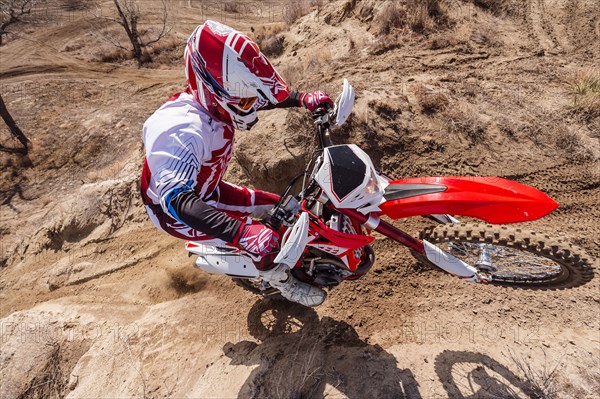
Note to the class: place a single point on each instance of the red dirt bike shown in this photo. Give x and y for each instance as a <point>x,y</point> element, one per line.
<point>326,227</point>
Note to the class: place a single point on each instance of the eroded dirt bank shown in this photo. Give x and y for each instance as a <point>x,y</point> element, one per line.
<point>96,303</point>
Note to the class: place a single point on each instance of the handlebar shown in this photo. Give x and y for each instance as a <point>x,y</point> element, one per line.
<point>322,118</point>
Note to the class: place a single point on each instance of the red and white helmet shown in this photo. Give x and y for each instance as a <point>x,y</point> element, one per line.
<point>228,74</point>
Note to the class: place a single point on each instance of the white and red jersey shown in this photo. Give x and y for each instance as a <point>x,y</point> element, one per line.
<point>185,147</point>
<point>188,150</point>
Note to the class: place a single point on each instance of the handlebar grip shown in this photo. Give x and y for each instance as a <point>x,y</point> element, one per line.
<point>326,106</point>
<point>321,110</point>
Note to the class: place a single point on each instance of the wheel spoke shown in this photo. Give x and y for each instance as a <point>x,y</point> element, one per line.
<point>511,263</point>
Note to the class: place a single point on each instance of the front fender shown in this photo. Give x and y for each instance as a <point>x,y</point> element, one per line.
<point>493,199</point>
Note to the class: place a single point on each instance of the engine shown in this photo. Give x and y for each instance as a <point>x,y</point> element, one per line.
<point>327,270</point>
<point>321,266</point>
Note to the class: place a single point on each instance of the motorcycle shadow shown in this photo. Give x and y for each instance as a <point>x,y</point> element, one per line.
<point>470,375</point>
<point>301,356</point>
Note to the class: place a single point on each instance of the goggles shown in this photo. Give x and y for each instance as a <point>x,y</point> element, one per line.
<point>245,104</point>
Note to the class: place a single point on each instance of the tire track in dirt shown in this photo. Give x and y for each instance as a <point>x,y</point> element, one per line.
<point>539,25</point>
<point>576,187</point>
<point>96,72</point>
<point>583,21</point>
<point>559,23</point>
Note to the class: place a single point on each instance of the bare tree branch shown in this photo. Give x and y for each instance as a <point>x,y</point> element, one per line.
<point>165,29</point>
<point>15,11</point>
<point>99,16</point>
<point>129,15</point>
<point>14,130</point>
<point>117,44</point>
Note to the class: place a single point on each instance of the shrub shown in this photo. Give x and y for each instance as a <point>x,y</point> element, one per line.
<point>541,383</point>
<point>586,91</point>
<point>167,52</point>
<point>75,5</point>
<point>392,16</point>
<point>272,46</point>
<point>294,10</point>
<point>430,101</point>
<point>421,16</point>
<point>231,7</point>
<point>496,7</point>
<point>113,55</point>
<point>465,122</point>
<point>269,40</point>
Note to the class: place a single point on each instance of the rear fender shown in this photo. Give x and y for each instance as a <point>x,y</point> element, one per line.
<point>492,199</point>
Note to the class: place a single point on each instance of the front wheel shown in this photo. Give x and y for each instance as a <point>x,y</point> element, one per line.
<point>512,256</point>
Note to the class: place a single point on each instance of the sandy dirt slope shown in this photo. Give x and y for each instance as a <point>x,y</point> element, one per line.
<point>96,303</point>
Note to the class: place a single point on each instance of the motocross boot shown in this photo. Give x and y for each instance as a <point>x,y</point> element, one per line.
<point>293,289</point>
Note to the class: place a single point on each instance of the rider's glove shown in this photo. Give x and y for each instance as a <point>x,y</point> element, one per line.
<point>311,101</point>
<point>257,239</point>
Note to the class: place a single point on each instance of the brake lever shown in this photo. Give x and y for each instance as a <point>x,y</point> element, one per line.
<point>322,109</point>
<point>322,116</point>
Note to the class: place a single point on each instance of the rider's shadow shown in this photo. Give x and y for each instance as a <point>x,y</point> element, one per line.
<point>299,354</point>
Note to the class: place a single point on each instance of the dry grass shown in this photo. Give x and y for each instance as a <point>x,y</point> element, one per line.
<point>486,35</point>
<point>304,378</point>
<point>465,122</point>
<point>113,55</point>
<point>293,73</point>
<point>397,21</point>
<point>573,143</point>
<point>75,5</point>
<point>548,130</point>
<point>457,36</point>
<point>167,52</point>
<point>542,383</point>
<point>467,34</point>
<point>232,7</point>
<point>430,101</point>
<point>272,46</point>
<point>533,128</point>
<point>51,381</point>
<point>585,87</point>
<point>298,73</point>
<point>497,7</point>
<point>421,16</point>
<point>392,16</point>
<point>267,30</point>
<point>294,10</point>
<point>269,39</point>
<point>510,127</point>
<point>568,141</point>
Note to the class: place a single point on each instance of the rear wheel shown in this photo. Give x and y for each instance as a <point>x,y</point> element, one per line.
<point>275,316</point>
<point>512,256</point>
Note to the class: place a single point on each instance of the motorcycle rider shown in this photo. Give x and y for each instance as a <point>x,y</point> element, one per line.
<point>189,140</point>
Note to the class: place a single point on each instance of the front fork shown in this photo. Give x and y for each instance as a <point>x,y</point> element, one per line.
<point>434,254</point>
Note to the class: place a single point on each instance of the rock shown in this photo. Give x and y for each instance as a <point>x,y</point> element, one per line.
<point>73,381</point>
